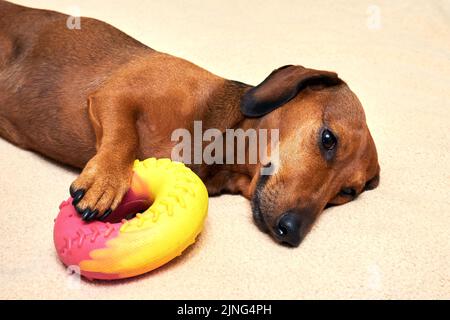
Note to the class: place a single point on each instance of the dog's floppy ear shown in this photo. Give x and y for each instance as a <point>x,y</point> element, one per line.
<point>282,85</point>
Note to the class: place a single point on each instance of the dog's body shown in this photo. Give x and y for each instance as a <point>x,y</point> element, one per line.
<point>48,73</point>
<point>98,99</point>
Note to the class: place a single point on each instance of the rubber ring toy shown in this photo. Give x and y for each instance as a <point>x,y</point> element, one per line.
<point>175,205</point>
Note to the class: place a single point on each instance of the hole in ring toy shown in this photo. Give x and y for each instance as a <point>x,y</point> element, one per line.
<point>174,204</point>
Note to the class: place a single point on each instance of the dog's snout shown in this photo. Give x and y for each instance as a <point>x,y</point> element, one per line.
<point>288,228</point>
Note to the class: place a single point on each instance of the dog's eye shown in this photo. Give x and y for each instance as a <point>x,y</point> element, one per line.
<point>348,192</point>
<point>328,139</point>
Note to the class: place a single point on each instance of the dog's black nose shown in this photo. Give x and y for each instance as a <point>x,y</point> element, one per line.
<point>288,228</point>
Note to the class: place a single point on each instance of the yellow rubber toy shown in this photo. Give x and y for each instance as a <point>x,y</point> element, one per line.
<point>152,238</point>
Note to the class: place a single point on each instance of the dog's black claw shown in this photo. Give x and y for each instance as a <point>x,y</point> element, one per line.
<point>86,213</point>
<point>77,196</point>
<point>79,210</point>
<point>92,215</point>
<point>105,215</point>
<point>72,191</point>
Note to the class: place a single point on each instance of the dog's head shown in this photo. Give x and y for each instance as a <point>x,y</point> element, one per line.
<point>326,153</point>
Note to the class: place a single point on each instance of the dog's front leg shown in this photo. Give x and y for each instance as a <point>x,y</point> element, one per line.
<point>107,176</point>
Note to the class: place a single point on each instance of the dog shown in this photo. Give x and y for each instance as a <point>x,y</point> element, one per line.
<point>97,99</point>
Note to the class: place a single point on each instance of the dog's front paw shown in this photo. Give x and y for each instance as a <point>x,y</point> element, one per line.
<point>99,189</point>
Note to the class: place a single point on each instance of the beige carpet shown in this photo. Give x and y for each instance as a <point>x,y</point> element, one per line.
<point>393,242</point>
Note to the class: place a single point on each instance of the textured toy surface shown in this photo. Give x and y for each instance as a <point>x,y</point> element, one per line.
<point>120,248</point>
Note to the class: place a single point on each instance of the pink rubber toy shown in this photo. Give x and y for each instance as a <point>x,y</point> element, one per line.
<point>75,239</point>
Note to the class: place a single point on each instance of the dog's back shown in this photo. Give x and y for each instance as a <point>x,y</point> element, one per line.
<point>47,69</point>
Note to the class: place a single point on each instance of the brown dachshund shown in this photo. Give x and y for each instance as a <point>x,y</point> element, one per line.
<point>96,98</point>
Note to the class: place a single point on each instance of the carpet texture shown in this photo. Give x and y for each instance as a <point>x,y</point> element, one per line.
<point>393,242</point>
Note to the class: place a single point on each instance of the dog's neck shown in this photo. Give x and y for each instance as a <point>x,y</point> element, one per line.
<point>224,106</point>
<point>225,114</point>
